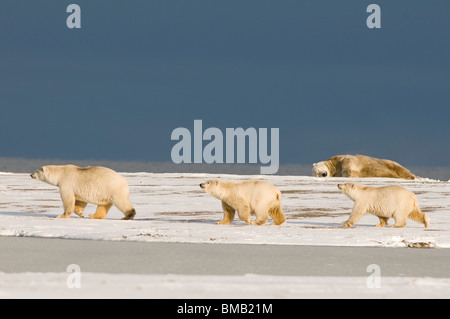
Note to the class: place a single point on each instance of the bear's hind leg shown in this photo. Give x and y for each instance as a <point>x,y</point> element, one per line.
<point>101,212</point>
<point>420,217</point>
<point>125,207</point>
<point>261,213</point>
<point>400,222</point>
<point>277,215</point>
<point>261,217</point>
<point>129,214</point>
<point>383,222</point>
<point>244,214</point>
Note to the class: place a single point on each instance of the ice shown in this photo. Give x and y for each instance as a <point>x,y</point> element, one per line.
<point>173,208</point>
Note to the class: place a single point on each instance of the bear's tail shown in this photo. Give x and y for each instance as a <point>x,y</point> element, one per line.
<point>277,214</point>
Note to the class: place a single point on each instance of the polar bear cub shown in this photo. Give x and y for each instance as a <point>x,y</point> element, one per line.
<point>258,197</point>
<point>384,202</point>
<point>80,186</point>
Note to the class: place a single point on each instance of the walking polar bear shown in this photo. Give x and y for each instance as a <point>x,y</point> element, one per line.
<point>258,197</point>
<point>384,202</point>
<point>360,166</point>
<point>80,186</point>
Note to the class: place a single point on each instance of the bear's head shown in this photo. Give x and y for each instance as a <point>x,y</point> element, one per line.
<point>215,188</point>
<point>351,190</point>
<point>347,189</point>
<point>209,186</point>
<point>321,170</point>
<point>39,174</point>
<point>45,174</point>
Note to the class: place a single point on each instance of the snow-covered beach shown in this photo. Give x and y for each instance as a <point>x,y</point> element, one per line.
<point>172,208</point>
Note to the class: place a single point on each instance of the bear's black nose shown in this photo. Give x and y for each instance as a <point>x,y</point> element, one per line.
<point>324,174</point>
<point>201,185</point>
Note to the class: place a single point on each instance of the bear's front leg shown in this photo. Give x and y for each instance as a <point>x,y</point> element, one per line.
<point>68,199</point>
<point>347,224</point>
<point>79,208</point>
<point>228,214</point>
<point>357,212</point>
<point>64,215</point>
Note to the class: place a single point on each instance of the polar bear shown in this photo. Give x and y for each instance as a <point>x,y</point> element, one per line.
<point>360,166</point>
<point>384,202</point>
<point>253,196</point>
<point>80,186</point>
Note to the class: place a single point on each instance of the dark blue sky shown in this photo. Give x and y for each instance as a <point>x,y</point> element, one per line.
<point>116,88</point>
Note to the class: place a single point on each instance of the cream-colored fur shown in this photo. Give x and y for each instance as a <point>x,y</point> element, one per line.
<point>384,202</point>
<point>360,166</point>
<point>80,186</point>
<point>258,197</point>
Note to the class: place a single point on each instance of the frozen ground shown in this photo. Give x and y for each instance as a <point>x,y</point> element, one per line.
<point>173,208</point>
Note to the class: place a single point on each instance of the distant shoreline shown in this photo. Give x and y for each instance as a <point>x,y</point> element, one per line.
<point>25,165</point>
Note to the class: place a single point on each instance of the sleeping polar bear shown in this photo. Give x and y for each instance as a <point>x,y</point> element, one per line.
<point>80,186</point>
<point>360,166</point>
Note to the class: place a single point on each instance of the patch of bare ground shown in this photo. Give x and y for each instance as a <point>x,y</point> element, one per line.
<point>314,213</point>
<point>430,209</point>
<point>308,191</point>
<point>321,227</point>
<point>195,216</point>
<point>145,235</point>
<point>187,214</point>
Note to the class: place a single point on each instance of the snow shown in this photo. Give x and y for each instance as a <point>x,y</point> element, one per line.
<point>53,285</point>
<point>173,208</point>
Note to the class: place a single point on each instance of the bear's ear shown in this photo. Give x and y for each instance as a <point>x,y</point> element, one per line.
<point>314,164</point>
